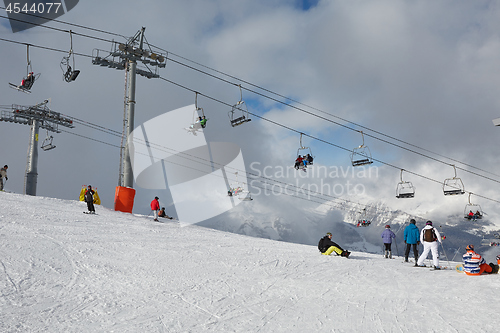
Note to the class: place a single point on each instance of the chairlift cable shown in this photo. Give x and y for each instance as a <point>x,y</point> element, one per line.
<point>274,93</point>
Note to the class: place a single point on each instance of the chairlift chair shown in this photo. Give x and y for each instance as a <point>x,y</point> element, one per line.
<point>453,186</point>
<point>47,143</point>
<point>197,124</point>
<point>308,151</point>
<point>362,220</point>
<point>239,112</point>
<point>361,155</point>
<point>477,212</point>
<point>30,78</point>
<point>69,73</point>
<point>238,190</point>
<point>404,189</point>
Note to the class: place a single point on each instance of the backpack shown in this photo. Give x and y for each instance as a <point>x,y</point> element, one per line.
<point>321,246</point>
<point>429,235</point>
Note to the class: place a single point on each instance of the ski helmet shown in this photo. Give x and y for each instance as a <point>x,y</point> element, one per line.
<point>328,233</point>
<point>387,226</point>
<point>413,221</point>
<point>428,223</point>
<point>469,247</point>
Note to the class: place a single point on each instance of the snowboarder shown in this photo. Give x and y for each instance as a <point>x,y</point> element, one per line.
<point>430,237</point>
<point>155,206</point>
<point>387,236</point>
<point>89,199</point>
<point>3,174</point>
<point>411,236</point>
<point>326,246</point>
<point>474,263</point>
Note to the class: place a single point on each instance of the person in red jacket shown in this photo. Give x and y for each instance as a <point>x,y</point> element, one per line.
<point>155,206</point>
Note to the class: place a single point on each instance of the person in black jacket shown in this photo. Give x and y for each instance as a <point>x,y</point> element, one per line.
<point>89,199</point>
<point>326,246</point>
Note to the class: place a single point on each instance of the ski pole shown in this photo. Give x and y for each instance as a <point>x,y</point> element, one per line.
<point>397,250</point>
<point>456,252</point>
<point>445,253</point>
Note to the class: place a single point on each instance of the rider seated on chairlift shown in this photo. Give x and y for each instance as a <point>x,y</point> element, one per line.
<point>309,159</point>
<point>203,121</point>
<point>299,161</point>
<point>28,81</point>
<point>470,215</point>
<point>477,214</point>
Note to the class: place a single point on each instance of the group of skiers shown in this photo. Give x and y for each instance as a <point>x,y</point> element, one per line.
<point>473,263</point>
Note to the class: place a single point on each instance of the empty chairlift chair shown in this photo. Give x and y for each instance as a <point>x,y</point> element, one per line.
<point>405,189</point>
<point>47,143</point>
<point>361,155</point>
<point>453,186</point>
<point>239,112</point>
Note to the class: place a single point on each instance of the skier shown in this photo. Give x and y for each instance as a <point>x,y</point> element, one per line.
<point>89,199</point>
<point>411,236</point>
<point>474,263</point>
<point>155,206</point>
<point>326,246</point>
<point>430,237</point>
<point>3,174</point>
<point>387,236</point>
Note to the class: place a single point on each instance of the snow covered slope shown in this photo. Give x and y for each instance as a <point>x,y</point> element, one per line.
<point>64,271</point>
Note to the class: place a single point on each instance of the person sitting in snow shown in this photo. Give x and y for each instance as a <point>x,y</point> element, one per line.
<point>326,246</point>
<point>474,263</point>
<point>161,213</point>
<point>387,236</point>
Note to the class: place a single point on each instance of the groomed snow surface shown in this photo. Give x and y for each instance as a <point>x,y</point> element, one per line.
<point>64,271</point>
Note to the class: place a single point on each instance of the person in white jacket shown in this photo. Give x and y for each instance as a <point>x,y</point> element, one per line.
<point>430,238</point>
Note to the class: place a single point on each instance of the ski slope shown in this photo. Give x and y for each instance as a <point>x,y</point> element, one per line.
<point>64,271</point>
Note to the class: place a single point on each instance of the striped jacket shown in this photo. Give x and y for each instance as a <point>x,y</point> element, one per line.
<point>472,260</point>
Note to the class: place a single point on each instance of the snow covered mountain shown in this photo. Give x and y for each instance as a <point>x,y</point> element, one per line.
<point>64,271</point>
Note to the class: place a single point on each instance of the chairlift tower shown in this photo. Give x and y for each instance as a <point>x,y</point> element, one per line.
<point>37,116</point>
<point>125,56</point>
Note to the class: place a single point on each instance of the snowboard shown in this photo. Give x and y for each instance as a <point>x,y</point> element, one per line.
<point>459,268</point>
<point>89,213</point>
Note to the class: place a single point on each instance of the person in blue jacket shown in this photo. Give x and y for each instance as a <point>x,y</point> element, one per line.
<point>387,236</point>
<point>412,239</point>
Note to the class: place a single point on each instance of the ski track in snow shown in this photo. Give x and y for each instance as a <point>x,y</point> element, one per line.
<point>116,272</point>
